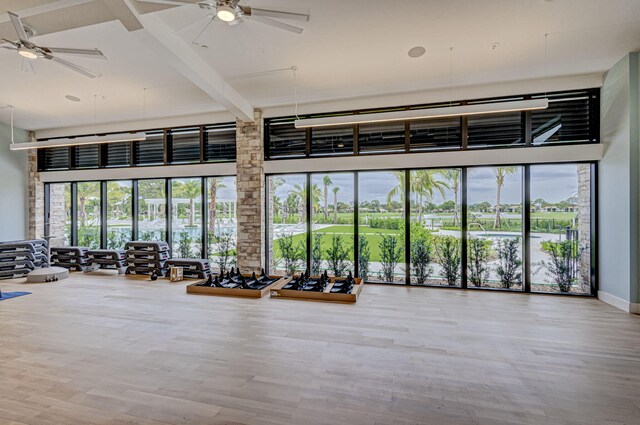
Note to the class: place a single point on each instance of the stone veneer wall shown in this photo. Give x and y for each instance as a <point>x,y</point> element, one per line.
<point>57,215</point>
<point>584,223</point>
<point>36,198</point>
<point>250,187</point>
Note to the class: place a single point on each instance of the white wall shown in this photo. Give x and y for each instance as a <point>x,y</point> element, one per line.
<point>14,193</point>
<point>619,186</point>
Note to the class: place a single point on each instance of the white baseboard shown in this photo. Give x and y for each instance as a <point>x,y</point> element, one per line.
<point>619,302</point>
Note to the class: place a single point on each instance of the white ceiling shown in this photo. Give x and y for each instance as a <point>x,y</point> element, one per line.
<point>350,48</point>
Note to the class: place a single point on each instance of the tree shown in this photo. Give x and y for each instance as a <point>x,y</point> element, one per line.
<point>190,189</point>
<point>337,256</point>
<point>452,175</point>
<point>301,192</point>
<point>501,173</point>
<point>274,183</point>
<point>326,181</point>
<point>86,191</point>
<point>390,254</point>
<point>425,183</point>
<point>335,191</point>
<point>398,190</point>
<point>215,183</point>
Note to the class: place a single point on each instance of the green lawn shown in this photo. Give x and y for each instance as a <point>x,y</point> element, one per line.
<point>373,236</point>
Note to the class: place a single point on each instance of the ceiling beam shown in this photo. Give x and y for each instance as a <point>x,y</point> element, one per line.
<point>44,8</point>
<point>158,37</point>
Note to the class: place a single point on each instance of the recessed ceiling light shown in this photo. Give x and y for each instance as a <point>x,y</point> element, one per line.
<point>416,52</point>
<point>494,45</point>
<point>72,98</point>
<point>204,46</point>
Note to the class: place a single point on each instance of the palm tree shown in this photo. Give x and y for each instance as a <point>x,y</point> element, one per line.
<point>191,190</point>
<point>335,191</point>
<point>301,193</point>
<point>398,190</point>
<point>425,183</point>
<point>452,175</point>
<point>326,180</point>
<point>274,183</point>
<point>501,173</point>
<point>215,183</point>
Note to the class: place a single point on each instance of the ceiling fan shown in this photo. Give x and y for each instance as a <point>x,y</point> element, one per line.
<point>233,13</point>
<point>31,51</point>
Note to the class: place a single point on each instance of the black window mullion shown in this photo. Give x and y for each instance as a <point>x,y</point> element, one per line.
<point>464,132</point>
<point>308,142</point>
<point>308,209</point>
<point>526,122</point>
<point>135,210</point>
<point>167,211</point>
<point>47,209</point>
<point>203,144</point>
<point>103,215</point>
<point>204,217</point>
<point>594,228</point>
<point>407,137</point>
<point>526,221</point>
<point>74,214</point>
<point>268,241</point>
<point>356,146</point>
<point>407,227</point>
<point>167,151</point>
<point>463,227</point>
<point>356,229</point>
<point>72,157</point>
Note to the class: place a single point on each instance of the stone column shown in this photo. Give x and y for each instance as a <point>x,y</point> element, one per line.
<point>584,224</point>
<point>250,188</point>
<point>36,198</point>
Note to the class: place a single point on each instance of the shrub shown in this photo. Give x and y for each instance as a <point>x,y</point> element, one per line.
<point>478,251</point>
<point>447,250</point>
<point>184,245</point>
<point>364,255</point>
<point>226,250</point>
<point>562,264</point>
<point>390,255</point>
<point>386,223</point>
<point>338,256</point>
<point>316,254</point>
<point>421,256</point>
<point>509,263</point>
<point>292,253</point>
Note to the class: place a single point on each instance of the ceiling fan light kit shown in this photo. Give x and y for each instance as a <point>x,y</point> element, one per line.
<point>29,50</point>
<point>226,13</point>
<point>28,53</point>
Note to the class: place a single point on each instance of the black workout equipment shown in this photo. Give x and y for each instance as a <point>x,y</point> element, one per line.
<point>147,257</point>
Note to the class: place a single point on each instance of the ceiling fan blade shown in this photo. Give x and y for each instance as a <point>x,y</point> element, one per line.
<point>9,41</point>
<point>72,66</point>
<point>95,53</point>
<point>275,14</point>
<point>17,24</point>
<point>276,24</point>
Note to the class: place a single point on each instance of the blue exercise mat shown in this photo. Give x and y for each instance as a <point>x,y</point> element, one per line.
<point>9,295</point>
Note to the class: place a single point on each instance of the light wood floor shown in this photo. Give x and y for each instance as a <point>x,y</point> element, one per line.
<point>107,350</point>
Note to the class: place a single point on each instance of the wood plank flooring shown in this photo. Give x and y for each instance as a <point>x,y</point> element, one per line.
<point>112,350</point>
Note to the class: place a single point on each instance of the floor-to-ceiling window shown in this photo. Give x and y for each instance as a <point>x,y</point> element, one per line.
<point>119,214</point>
<point>561,228</point>
<point>287,223</point>
<point>494,227</point>
<point>221,221</point>
<point>332,223</point>
<point>435,216</point>
<point>186,217</point>
<point>88,216</point>
<point>381,209</point>
<point>152,204</point>
<point>59,219</point>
